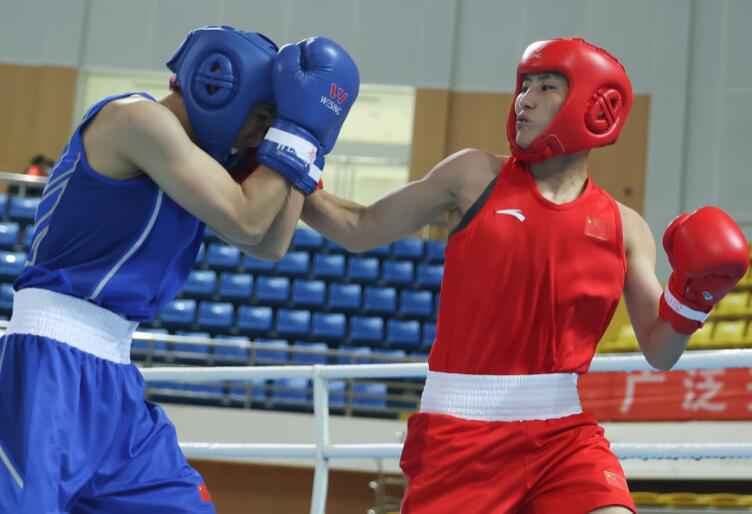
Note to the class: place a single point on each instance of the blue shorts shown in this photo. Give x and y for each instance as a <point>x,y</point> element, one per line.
<point>77,437</point>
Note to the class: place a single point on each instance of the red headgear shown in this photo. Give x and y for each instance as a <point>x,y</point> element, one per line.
<point>596,108</point>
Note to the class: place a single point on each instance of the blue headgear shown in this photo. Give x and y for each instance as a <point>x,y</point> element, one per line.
<point>222,73</point>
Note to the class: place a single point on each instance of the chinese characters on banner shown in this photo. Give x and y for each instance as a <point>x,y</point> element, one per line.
<point>707,394</point>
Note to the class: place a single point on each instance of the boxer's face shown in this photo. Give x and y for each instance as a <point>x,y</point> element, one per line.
<point>254,130</point>
<point>540,98</point>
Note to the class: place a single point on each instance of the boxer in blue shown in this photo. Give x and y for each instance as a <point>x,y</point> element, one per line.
<point>116,233</point>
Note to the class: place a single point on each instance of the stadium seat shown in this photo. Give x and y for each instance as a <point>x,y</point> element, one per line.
<point>257,266</point>
<point>337,393</point>
<point>429,276</point>
<point>701,338</point>
<point>363,269</point>
<point>381,252</point>
<point>293,323</point>
<point>215,316</point>
<point>231,350</point>
<point>429,334</point>
<point>329,326</point>
<point>28,237</point>
<point>365,329</point>
<point>200,284</point>
<point>728,334</point>
<point>271,351</point>
<point>397,273</point>
<point>3,205</point>
<point>11,264</point>
<point>235,287</point>
<point>6,297</point>
<point>415,304</point>
<point>192,350</point>
<point>380,300</point>
<point>178,313</point>
<point>9,234</point>
<point>222,257</point>
<point>309,358</point>
<point>200,255</point>
<point>291,391</point>
<point>332,247</point>
<point>331,267</point>
<point>344,297</point>
<point>272,290</point>
<point>253,390</point>
<point>408,249</point>
<point>23,209</point>
<point>142,349</point>
<point>308,293</point>
<point>435,251</point>
<point>733,304</point>
<point>293,264</point>
<point>355,355</point>
<point>254,319</point>
<point>403,333</point>
<point>368,394</point>
<point>307,239</point>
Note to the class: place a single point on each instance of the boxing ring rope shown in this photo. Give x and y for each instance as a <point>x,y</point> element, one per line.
<point>322,450</point>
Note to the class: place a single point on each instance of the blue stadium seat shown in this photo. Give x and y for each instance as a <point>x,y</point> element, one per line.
<point>293,264</point>
<point>256,266</point>
<point>417,304</point>
<point>309,358</point>
<point>200,256</point>
<point>291,391</point>
<point>397,273</point>
<point>235,286</point>
<point>366,329</point>
<point>435,251</point>
<point>363,269</point>
<point>429,334</point>
<point>362,355</point>
<point>222,257</point>
<point>192,351</point>
<point>380,300</point>
<point>253,389</point>
<point>381,252</point>
<point>3,204</point>
<point>254,319</point>
<point>272,290</point>
<point>344,297</point>
<point>215,315</point>
<point>28,237</point>
<point>231,349</point>
<point>293,322</point>
<point>332,247</point>
<point>329,326</point>
<point>272,351</point>
<point>403,333</point>
<point>307,239</point>
<point>11,264</point>
<point>158,349</point>
<point>429,276</point>
<point>408,249</point>
<point>337,393</point>
<point>200,284</point>
<point>308,293</point>
<point>329,266</point>
<point>178,313</point>
<point>9,234</point>
<point>6,297</point>
<point>23,209</point>
<point>210,235</point>
<point>390,356</point>
<point>370,395</point>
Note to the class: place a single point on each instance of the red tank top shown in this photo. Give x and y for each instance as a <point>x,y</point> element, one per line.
<point>529,286</point>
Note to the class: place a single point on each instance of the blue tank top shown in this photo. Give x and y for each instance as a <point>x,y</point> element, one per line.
<point>123,245</point>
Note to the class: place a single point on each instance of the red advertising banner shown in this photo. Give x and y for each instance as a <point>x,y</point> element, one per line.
<point>706,394</point>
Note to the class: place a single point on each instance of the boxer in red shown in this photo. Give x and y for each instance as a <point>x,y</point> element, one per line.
<point>536,262</point>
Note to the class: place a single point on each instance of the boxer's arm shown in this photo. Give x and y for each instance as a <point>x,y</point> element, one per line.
<point>151,138</point>
<point>276,241</point>
<point>661,345</point>
<point>396,215</point>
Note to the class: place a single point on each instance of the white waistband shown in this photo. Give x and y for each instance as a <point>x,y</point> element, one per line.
<point>501,397</point>
<point>73,321</point>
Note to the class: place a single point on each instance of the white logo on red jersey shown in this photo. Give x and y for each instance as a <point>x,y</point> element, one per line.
<point>517,213</point>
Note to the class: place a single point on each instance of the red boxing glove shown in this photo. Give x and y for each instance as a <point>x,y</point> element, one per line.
<point>709,255</point>
<point>320,185</point>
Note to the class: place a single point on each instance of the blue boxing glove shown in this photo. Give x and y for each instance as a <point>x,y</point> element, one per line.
<point>315,83</point>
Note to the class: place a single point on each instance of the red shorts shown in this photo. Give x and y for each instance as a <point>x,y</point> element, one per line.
<point>561,465</point>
